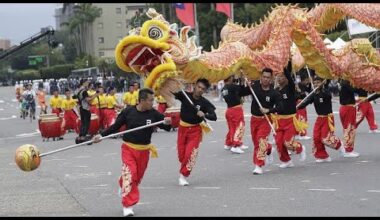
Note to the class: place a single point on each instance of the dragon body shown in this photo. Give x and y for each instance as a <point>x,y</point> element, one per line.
<point>163,56</point>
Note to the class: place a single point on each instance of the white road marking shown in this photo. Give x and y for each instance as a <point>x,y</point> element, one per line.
<point>109,154</point>
<point>12,117</point>
<point>326,190</point>
<point>264,188</point>
<point>79,157</point>
<point>1,109</point>
<point>334,173</point>
<point>28,134</point>
<point>207,187</point>
<point>14,100</point>
<point>87,175</point>
<point>152,187</point>
<point>81,166</point>
<point>305,181</point>
<point>213,141</point>
<point>143,203</point>
<point>1,101</point>
<point>363,199</point>
<point>373,190</point>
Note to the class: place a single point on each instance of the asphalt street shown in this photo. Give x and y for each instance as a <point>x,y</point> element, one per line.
<point>83,181</point>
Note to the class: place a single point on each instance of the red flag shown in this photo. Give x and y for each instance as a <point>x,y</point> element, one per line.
<point>185,13</point>
<point>224,8</point>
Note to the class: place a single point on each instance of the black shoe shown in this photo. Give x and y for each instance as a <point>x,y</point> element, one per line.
<point>79,140</point>
<point>60,138</point>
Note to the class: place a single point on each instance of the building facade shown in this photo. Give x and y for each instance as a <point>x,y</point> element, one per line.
<point>108,29</point>
<point>5,44</point>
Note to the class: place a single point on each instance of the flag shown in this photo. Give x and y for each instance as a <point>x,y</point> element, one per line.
<point>185,13</point>
<point>224,8</point>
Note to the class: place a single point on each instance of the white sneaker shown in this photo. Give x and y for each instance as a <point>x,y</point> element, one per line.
<point>342,151</point>
<point>272,142</point>
<point>297,137</point>
<point>257,171</point>
<point>226,147</point>
<point>244,147</point>
<point>351,154</point>
<point>289,152</point>
<point>304,138</point>
<point>374,131</point>
<point>328,159</point>
<point>236,150</point>
<point>182,181</point>
<point>128,211</point>
<point>269,158</point>
<point>286,164</point>
<point>303,154</point>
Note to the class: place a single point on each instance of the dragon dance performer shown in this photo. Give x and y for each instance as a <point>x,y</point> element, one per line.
<point>94,103</point>
<point>130,97</point>
<point>323,133</point>
<point>260,128</point>
<point>191,127</point>
<point>56,103</point>
<point>232,95</point>
<point>365,110</point>
<point>41,100</point>
<point>68,105</point>
<point>347,113</point>
<point>302,90</point>
<point>136,146</point>
<point>285,121</point>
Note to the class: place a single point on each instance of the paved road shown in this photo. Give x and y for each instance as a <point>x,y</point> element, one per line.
<point>83,181</point>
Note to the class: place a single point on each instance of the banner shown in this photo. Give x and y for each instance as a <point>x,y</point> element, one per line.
<point>224,8</point>
<point>356,27</point>
<point>185,13</point>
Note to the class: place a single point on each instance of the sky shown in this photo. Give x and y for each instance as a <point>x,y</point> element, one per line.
<point>20,21</point>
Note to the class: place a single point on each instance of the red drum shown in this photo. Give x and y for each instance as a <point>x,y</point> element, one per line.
<point>174,114</point>
<point>50,126</point>
<point>94,125</point>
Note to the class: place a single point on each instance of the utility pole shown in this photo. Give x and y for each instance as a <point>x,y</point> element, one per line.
<point>196,24</point>
<point>214,39</point>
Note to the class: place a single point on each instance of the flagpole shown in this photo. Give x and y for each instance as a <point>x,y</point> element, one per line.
<point>196,24</point>
<point>232,12</point>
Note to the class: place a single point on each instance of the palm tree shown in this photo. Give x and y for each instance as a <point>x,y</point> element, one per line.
<point>80,26</point>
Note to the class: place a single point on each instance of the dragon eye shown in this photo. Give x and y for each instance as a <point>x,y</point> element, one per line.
<point>155,33</point>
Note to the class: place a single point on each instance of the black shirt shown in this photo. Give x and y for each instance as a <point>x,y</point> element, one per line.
<point>287,94</point>
<point>322,101</point>
<point>267,98</point>
<point>305,90</point>
<point>133,118</point>
<point>346,93</point>
<point>361,92</point>
<point>232,94</point>
<point>188,112</point>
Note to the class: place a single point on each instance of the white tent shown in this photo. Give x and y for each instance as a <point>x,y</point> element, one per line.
<point>327,41</point>
<point>338,44</point>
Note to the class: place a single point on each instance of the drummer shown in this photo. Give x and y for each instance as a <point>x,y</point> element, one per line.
<point>112,106</point>
<point>70,116</point>
<point>55,103</point>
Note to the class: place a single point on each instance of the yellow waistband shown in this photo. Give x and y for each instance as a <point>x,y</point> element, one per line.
<point>255,116</point>
<point>149,147</point>
<point>300,126</point>
<point>204,127</point>
<point>361,98</point>
<point>330,120</point>
<point>349,105</point>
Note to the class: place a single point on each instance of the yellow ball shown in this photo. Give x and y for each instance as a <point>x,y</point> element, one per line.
<point>27,157</point>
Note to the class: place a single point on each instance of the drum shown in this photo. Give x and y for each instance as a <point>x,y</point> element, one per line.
<point>94,125</point>
<point>50,126</point>
<point>174,113</point>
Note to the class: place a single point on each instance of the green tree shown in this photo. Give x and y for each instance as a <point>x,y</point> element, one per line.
<point>80,26</point>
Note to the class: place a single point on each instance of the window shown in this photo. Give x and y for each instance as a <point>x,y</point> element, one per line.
<point>100,25</point>
<point>118,10</point>
<point>118,24</point>
<point>101,40</point>
<point>101,54</point>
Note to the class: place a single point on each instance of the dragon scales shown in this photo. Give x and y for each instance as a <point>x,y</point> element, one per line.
<point>157,52</point>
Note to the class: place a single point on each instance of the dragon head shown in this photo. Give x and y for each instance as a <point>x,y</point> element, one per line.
<point>155,51</point>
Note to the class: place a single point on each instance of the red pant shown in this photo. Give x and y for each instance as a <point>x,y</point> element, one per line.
<point>323,136</point>
<point>301,114</point>
<point>134,165</point>
<point>188,142</point>
<point>94,110</point>
<point>347,115</point>
<point>260,129</point>
<point>236,124</point>
<point>285,139</point>
<point>161,107</point>
<point>365,110</point>
<point>109,118</point>
<point>70,119</point>
<point>56,111</point>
